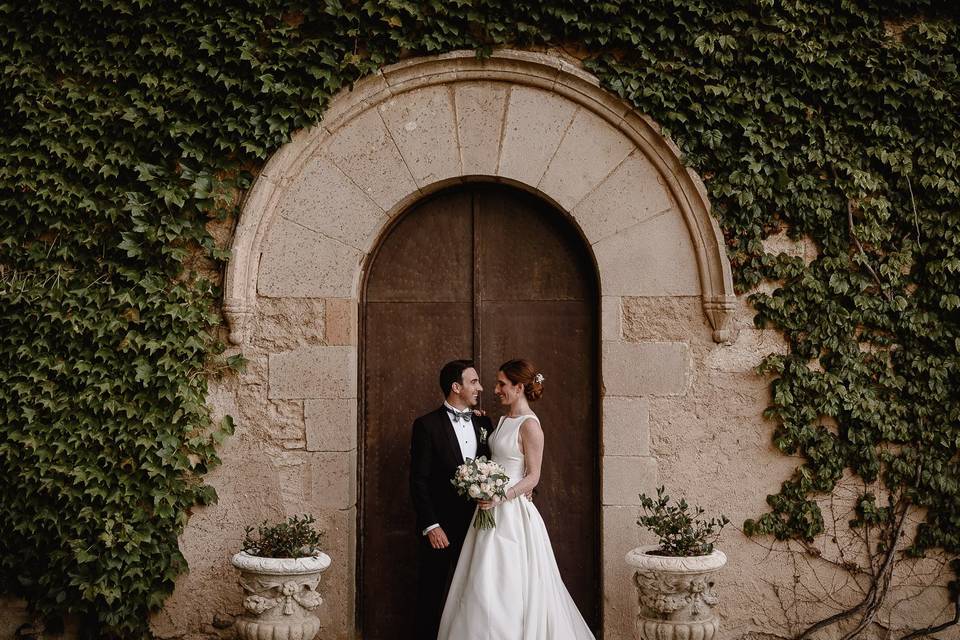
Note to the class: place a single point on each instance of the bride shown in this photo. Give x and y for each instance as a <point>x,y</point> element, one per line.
<point>507,585</point>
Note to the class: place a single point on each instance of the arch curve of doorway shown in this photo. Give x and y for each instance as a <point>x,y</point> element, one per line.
<point>533,119</point>
<point>324,202</point>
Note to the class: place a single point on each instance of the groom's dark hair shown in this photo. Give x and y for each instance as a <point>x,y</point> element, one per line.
<point>453,372</point>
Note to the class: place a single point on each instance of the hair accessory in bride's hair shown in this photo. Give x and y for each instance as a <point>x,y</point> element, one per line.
<point>539,378</point>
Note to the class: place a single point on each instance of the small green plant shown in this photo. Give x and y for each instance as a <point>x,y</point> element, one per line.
<point>681,530</point>
<point>294,538</point>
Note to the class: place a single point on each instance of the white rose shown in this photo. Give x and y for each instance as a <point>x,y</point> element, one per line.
<point>474,491</point>
<point>485,488</point>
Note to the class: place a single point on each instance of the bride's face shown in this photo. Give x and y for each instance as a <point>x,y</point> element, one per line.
<point>506,391</point>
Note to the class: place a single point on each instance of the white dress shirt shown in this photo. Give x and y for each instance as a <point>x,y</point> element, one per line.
<point>466,438</point>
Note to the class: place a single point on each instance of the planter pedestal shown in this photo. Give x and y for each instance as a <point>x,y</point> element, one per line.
<point>279,595</point>
<point>675,594</point>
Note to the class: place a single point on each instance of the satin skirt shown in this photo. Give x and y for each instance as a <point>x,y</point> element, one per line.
<point>507,585</point>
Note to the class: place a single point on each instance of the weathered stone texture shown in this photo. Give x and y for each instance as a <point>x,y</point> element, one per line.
<point>620,534</point>
<point>626,426</point>
<point>480,107</point>
<point>314,372</point>
<point>653,368</point>
<point>632,193</point>
<point>423,125</point>
<point>535,123</point>
<point>301,263</point>
<point>625,477</point>
<point>611,318</point>
<point>590,150</point>
<point>331,480</point>
<point>652,258</point>
<point>286,323</point>
<point>661,318</point>
<point>331,424</point>
<point>365,151</point>
<point>323,199</point>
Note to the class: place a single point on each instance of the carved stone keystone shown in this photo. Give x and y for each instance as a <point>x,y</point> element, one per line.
<point>675,595</point>
<point>279,595</point>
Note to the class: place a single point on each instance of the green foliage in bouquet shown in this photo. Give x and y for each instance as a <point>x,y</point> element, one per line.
<point>294,538</point>
<point>679,527</point>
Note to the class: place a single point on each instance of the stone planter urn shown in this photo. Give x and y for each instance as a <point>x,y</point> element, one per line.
<point>279,596</point>
<point>676,597</point>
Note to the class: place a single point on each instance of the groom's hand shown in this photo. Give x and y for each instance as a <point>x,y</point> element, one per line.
<point>438,539</point>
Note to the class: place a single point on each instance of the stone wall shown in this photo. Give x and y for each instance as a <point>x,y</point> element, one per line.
<point>681,405</point>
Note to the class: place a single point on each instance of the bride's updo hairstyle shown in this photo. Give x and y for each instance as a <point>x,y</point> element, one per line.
<point>523,372</point>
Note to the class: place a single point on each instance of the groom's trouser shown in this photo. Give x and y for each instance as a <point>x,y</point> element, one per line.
<point>436,567</point>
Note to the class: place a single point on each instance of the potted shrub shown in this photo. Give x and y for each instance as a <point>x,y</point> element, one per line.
<point>280,572</point>
<point>674,578</point>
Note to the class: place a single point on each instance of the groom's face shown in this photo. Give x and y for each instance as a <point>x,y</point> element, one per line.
<point>468,391</point>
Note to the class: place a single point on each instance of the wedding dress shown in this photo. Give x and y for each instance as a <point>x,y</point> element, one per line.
<point>507,585</point>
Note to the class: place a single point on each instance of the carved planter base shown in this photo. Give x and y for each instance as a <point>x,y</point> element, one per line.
<point>675,595</point>
<point>280,594</point>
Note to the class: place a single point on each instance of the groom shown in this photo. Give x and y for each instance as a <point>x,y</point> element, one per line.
<point>441,441</point>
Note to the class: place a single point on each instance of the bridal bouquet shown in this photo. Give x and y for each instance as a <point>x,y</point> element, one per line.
<point>481,479</point>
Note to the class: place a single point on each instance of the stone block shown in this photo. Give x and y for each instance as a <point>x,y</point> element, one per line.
<point>423,124</point>
<point>666,318</point>
<point>341,321</point>
<point>300,263</point>
<point>280,324</point>
<point>338,583</point>
<point>625,477</point>
<point>632,193</point>
<point>331,480</point>
<point>532,130</point>
<point>626,426</point>
<point>611,318</point>
<point>292,469</point>
<point>653,258</point>
<point>331,424</point>
<point>590,150</point>
<point>366,152</point>
<point>323,199</point>
<point>314,372</point>
<point>649,368</point>
<point>480,110</point>
<point>620,535</point>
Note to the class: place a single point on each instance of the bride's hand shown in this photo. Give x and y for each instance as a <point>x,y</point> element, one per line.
<point>488,504</point>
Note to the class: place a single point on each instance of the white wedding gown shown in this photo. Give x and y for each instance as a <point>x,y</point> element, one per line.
<point>507,585</point>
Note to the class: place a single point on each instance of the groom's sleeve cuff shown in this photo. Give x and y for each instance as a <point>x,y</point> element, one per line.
<point>430,528</point>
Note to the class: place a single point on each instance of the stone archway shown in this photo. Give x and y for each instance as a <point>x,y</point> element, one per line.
<point>530,120</point>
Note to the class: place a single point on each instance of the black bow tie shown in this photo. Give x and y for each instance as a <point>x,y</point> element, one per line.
<point>466,416</point>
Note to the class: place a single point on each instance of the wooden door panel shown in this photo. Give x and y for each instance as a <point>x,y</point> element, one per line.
<point>428,254</point>
<point>528,252</point>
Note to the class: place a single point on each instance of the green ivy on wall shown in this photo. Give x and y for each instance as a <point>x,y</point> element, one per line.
<point>127,126</point>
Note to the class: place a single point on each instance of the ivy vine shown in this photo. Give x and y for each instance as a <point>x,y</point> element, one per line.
<point>126,126</point>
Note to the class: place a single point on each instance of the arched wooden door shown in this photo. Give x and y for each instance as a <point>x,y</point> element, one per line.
<point>491,273</point>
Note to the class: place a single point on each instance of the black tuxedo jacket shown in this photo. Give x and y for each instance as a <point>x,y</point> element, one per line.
<point>434,458</point>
